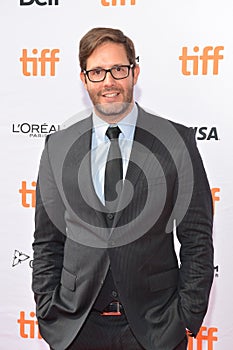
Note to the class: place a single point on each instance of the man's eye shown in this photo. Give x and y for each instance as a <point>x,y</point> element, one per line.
<point>97,71</point>
<point>120,69</point>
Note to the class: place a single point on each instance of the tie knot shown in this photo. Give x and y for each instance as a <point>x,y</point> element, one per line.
<point>113,132</point>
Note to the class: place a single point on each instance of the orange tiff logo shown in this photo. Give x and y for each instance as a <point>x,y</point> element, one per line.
<point>115,2</point>
<point>28,195</point>
<point>215,197</point>
<point>39,64</point>
<point>28,327</point>
<point>191,63</point>
<point>205,337</point>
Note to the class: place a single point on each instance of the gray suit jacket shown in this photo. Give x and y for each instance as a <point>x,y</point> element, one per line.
<point>73,245</point>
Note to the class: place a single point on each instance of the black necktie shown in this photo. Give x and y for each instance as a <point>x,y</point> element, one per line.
<point>113,170</point>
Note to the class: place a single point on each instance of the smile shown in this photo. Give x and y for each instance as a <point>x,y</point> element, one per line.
<point>114,94</point>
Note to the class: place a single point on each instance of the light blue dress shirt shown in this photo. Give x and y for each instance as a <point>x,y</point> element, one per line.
<point>100,145</point>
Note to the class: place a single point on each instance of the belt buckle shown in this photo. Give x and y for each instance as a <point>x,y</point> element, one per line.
<point>116,305</point>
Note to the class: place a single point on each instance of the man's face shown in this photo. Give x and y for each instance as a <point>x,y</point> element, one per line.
<point>112,99</point>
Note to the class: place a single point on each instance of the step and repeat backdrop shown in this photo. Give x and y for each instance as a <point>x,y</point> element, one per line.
<point>185,51</point>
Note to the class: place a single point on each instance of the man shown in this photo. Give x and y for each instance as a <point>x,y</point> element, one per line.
<point>112,190</point>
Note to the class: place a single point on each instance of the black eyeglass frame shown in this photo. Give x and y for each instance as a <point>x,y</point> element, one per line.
<point>129,66</point>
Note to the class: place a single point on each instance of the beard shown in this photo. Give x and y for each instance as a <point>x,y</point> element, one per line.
<point>112,110</point>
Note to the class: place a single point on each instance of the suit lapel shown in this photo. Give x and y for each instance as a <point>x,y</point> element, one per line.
<point>87,180</point>
<point>78,176</point>
<point>141,149</point>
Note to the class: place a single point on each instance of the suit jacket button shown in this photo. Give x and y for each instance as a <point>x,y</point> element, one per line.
<point>114,294</point>
<point>110,216</point>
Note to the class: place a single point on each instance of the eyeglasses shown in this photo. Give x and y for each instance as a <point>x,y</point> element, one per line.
<point>117,72</point>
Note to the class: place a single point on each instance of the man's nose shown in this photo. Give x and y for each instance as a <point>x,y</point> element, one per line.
<point>109,80</point>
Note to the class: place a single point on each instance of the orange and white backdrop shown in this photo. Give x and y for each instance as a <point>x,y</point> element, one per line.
<point>185,51</point>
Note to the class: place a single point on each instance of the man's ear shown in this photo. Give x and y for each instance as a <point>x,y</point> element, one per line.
<point>136,73</point>
<point>84,79</point>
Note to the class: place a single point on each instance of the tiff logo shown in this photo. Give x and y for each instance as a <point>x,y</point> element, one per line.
<point>205,336</point>
<point>28,196</point>
<point>215,197</point>
<point>28,328</point>
<point>41,65</point>
<point>38,2</point>
<point>191,63</point>
<point>115,2</point>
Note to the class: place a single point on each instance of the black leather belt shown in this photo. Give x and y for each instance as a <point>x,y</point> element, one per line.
<point>113,309</point>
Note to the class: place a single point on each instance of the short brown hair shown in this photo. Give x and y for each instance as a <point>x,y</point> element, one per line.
<point>98,36</point>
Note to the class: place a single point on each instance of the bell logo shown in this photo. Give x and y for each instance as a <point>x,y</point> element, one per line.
<point>28,196</point>
<point>115,2</point>
<point>38,2</point>
<point>28,328</point>
<point>216,271</point>
<point>46,61</point>
<point>191,63</point>
<point>205,336</point>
